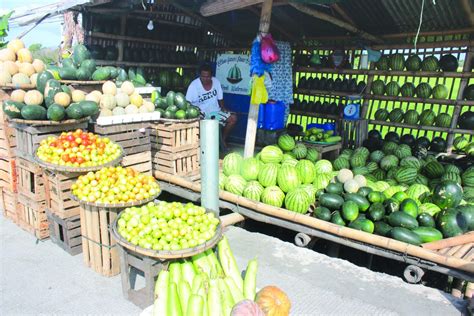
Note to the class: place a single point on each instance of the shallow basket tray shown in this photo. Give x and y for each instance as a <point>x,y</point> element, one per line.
<point>165,120</point>
<point>49,123</point>
<point>53,167</point>
<point>166,254</point>
<point>116,205</point>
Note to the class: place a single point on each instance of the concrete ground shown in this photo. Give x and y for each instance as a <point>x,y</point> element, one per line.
<point>40,278</point>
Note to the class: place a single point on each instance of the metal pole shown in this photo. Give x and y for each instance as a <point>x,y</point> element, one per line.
<point>209,134</point>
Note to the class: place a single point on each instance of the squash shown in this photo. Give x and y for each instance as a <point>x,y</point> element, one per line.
<point>273,301</point>
<point>15,45</point>
<point>118,111</point>
<point>136,99</point>
<point>7,54</point>
<point>93,97</point>
<point>78,95</point>
<point>34,79</point>
<point>20,79</point>
<point>109,88</point>
<point>246,308</point>
<point>107,101</point>
<point>18,95</point>
<point>150,107</point>
<point>62,98</point>
<point>33,97</point>
<point>27,69</point>
<point>131,109</point>
<point>127,87</point>
<point>11,67</point>
<point>5,77</point>
<point>38,65</point>
<point>24,55</point>
<point>122,99</point>
<point>105,112</point>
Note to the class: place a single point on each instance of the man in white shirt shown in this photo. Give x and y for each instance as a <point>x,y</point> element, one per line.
<point>205,92</point>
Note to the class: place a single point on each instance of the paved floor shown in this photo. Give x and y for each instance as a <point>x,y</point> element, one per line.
<point>40,278</point>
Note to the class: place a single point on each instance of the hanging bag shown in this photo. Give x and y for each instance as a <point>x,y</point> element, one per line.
<point>268,50</point>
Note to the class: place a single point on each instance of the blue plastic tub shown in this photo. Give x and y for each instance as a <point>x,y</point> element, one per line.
<point>261,116</point>
<point>274,117</point>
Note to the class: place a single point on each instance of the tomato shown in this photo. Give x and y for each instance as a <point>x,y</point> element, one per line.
<point>70,138</point>
<point>78,140</point>
<point>66,144</point>
<point>80,160</point>
<point>65,157</point>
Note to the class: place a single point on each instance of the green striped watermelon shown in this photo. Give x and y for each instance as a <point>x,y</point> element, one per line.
<point>383,63</point>
<point>406,175</point>
<point>408,89</point>
<point>452,168</point>
<point>321,180</point>
<point>413,63</point>
<point>411,162</point>
<point>357,161</point>
<point>379,174</point>
<point>423,90</point>
<point>397,62</point>
<point>306,171</point>
<point>360,170</point>
<point>417,191</point>
<point>222,181</point>
<point>443,120</point>
<point>429,208</point>
<point>421,179</point>
<point>298,200</point>
<point>396,115</point>
<point>362,151</point>
<point>341,162</point>
<point>235,184</point>
<point>286,142</point>
<point>273,195</point>
<point>468,177</point>
<point>376,156</point>
<point>389,148</point>
<point>411,117</point>
<point>392,89</point>
<point>372,166</point>
<point>430,63</point>
<point>253,190</point>
<point>460,142</point>
<point>289,162</point>
<point>267,176</point>
<point>300,151</point>
<point>433,169</point>
<point>381,114</point>
<point>378,87</point>
<point>403,151</point>
<point>440,91</point>
<point>249,169</point>
<point>312,154</point>
<point>427,117</point>
<point>231,164</point>
<point>388,162</point>
<point>271,154</point>
<point>287,178</point>
<point>452,176</point>
<point>323,166</point>
<point>310,189</point>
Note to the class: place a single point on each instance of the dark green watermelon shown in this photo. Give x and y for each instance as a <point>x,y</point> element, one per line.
<point>392,137</point>
<point>466,120</point>
<point>469,92</point>
<point>438,144</point>
<point>448,63</point>
<point>451,223</point>
<point>447,194</point>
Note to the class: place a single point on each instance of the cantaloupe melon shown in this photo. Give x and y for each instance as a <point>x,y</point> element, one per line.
<point>97,93</point>
<point>109,88</point>
<point>33,79</point>
<point>20,79</point>
<point>11,67</point>
<point>136,100</point>
<point>7,54</point>
<point>122,99</point>
<point>15,45</point>
<point>127,87</point>
<point>27,69</point>
<point>5,77</point>
<point>150,107</point>
<point>78,95</point>
<point>107,101</point>
<point>33,97</point>
<point>24,55</point>
<point>62,98</point>
<point>105,112</point>
<point>38,65</point>
<point>131,109</point>
<point>93,97</point>
<point>118,111</point>
<point>18,95</point>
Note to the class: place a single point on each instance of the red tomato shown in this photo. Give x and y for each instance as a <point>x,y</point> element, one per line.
<point>70,138</point>
<point>80,160</point>
<point>65,157</point>
<point>73,159</point>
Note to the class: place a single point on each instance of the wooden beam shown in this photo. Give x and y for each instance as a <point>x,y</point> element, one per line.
<point>469,11</point>
<point>343,13</point>
<point>251,133</point>
<point>335,21</point>
<point>210,8</point>
<point>282,30</point>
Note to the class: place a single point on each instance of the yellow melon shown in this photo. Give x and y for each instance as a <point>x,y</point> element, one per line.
<point>15,45</point>
<point>78,95</point>
<point>24,55</point>
<point>62,98</point>
<point>122,99</point>
<point>7,54</point>
<point>20,79</point>
<point>97,93</point>
<point>136,99</point>
<point>33,79</point>
<point>127,87</point>
<point>11,67</point>
<point>107,101</point>
<point>38,65</point>
<point>27,69</point>
<point>33,97</point>
<point>109,88</point>
<point>5,77</point>
<point>105,112</point>
<point>93,97</point>
<point>18,95</point>
<point>150,107</point>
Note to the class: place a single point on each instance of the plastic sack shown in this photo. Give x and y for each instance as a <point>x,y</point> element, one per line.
<point>268,50</point>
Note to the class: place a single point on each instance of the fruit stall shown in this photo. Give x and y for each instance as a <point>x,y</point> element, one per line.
<point>376,153</point>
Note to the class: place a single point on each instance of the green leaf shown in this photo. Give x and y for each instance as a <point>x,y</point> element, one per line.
<point>35,47</point>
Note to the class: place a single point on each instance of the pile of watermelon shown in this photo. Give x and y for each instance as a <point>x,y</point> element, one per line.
<point>329,84</point>
<point>411,117</point>
<point>408,89</point>
<point>285,174</point>
<point>413,62</point>
<point>462,145</point>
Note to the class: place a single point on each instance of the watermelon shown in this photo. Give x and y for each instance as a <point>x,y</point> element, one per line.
<point>357,161</point>
<point>448,63</point>
<point>341,162</point>
<point>378,87</point>
<point>372,166</point>
<point>440,91</point>
<point>468,177</point>
<point>468,93</point>
<point>413,63</point>
<point>286,142</point>
<point>392,89</point>
<point>411,117</point>
<point>271,154</point>
<point>452,176</point>
<point>450,168</point>
<point>310,189</point>
<point>411,161</point>
<point>447,194</point>
<point>267,175</point>
<point>443,120</point>
<point>287,178</point>
<point>466,120</point>
<point>273,195</point>
<point>397,62</point>
<point>232,164</point>
<point>396,115</point>
<point>389,147</point>
<point>427,117</point>
<point>376,156</point>
<point>430,63</point>
<point>289,162</point>
<point>222,181</point>
<point>312,154</point>
<point>306,171</point>
<point>433,169</point>
<point>460,142</point>
<point>388,162</point>
<point>423,90</point>
<point>249,169</point>
<point>381,115</point>
<point>383,63</point>
<point>300,151</point>
<point>379,174</point>
<point>429,208</point>
<point>321,181</point>
<point>323,166</point>
<point>408,89</point>
<point>235,184</point>
<point>403,151</point>
<point>253,190</point>
<point>298,200</point>
<point>417,191</point>
<point>452,223</point>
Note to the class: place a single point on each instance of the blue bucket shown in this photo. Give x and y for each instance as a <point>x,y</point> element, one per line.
<point>261,116</point>
<point>274,117</point>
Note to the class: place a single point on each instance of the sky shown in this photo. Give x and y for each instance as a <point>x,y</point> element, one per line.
<point>46,33</point>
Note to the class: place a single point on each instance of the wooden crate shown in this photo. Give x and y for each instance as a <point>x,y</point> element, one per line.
<point>353,133</point>
<point>99,248</point>
<point>8,174</point>
<point>32,216</point>
<point>8,203</point>
<point>28,138</point>
<point>57,193</point>
<point>66,233</point>
<point>183,164</point>
<point>30,180</point>
<point>141,162</point>
<point>133,137</point>
<point>7,140</point>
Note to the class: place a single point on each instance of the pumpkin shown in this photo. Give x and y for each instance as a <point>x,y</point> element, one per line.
<point>105,112</point>
<point>118,111</point>
<point>78,95</point>
<point>33,97</point>
<point>11,67</point>
<point>107,101</point>
<point>109,88</point>
<point>127,87</point>
<point>136,99</point>
<point>18,95</point>
<point>122,99</point>
<point>150,107</point>
<point>93,97</point>
<point>7,54</point>
<point>273,301</point>
<point>15,45</point>
<point>20,79</point>
<point>62,98</point>
<point>27,69</point>
<point>24,55</point>
<point>246,308</point>
<point>38,65</point>
<point>5,77</point>
<point>131,109</point>
<point>33,79</point>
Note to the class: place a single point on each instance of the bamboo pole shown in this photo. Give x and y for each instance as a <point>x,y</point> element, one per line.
<point>341,231</point>
<point>231,219</point>
<point>335,21</point>
<point>450,242</point>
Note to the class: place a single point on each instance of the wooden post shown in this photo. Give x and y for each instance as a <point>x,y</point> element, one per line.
<point>251,133</point>
<point>120,43</point>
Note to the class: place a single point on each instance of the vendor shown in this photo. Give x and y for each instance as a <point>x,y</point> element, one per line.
<point>205,92</point>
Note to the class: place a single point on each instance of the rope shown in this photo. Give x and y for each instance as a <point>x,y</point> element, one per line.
<point>421,21</point>
<point>99,243</point>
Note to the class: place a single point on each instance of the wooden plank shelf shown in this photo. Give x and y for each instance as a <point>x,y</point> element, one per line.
<point>441,74</point>
<point>424,127</point>
<point>419,100</point>
<point>136,64</point>
<point>138,39</point>
<point>318,115</point>
<point>325,92</point>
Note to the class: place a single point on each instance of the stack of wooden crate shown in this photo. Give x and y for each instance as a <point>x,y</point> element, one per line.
<point>8,174</point>
<point>175,148</point>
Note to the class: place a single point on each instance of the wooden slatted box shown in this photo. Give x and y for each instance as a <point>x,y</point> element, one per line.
<point>8,174</point>
<point>57,193</point>
<point>32,216</point>
<point>8,203</point>
<point>66,233</point>
<point>141,162</point>
<point>7,140</point>
<point>30,180</point>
